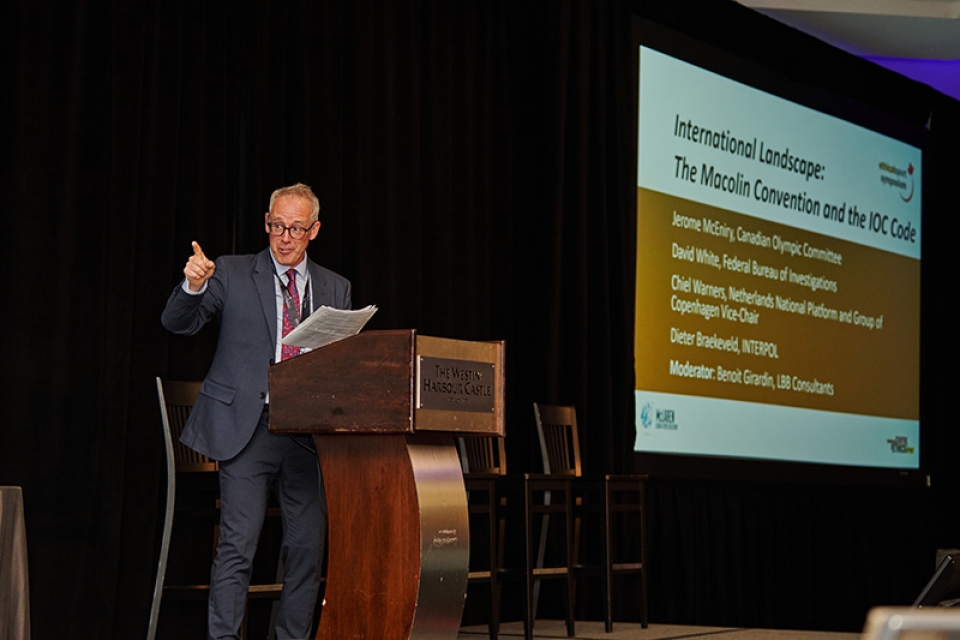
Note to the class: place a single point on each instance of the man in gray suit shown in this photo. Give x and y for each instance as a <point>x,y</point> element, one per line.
<point>256,299</point>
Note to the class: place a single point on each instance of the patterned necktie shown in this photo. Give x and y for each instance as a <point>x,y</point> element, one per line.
<point>287,351</point>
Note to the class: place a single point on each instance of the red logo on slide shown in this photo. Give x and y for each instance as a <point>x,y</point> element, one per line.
<point>909,197</point>
<point>900,179</point>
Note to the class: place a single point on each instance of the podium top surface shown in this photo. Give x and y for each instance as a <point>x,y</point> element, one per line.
<point>392,381</point>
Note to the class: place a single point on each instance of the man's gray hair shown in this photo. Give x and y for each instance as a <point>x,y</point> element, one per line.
<point>298,190</point>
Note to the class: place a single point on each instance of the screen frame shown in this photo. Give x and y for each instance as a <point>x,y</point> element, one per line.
<point>775,76</point>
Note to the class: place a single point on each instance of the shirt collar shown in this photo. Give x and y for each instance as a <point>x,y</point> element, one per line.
<point>301,268</point>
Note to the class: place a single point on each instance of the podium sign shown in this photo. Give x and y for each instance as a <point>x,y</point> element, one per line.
<point>383,408</point>
<point>455,385</point>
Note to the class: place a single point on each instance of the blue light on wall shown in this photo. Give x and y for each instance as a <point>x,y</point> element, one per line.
<point>942,75</point>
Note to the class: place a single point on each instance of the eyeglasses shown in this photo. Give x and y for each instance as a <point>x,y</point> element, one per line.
<point>296,232</point>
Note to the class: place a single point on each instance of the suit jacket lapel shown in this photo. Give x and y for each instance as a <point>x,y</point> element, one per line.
<point>263,276</point>
<point>319,284</point>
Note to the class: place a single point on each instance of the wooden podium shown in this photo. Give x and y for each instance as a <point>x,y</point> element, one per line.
<point>383,408</point>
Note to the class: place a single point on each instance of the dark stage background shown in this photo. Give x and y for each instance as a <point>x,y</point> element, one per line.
<point>475,166</point>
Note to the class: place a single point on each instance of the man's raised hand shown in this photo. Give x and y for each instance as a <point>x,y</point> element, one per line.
<point>199,268</point>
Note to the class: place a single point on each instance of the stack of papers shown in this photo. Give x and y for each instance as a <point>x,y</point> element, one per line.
<point>326,325</point>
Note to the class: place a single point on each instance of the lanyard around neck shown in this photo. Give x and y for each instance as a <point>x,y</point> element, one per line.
<point>291,304</point>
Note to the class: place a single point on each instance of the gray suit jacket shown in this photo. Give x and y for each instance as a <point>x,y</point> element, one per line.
<point>242,296</point>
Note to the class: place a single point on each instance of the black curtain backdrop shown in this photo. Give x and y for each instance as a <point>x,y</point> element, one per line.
<point>475,167</point>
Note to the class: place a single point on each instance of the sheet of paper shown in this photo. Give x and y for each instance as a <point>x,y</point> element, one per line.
<point>326,325</point>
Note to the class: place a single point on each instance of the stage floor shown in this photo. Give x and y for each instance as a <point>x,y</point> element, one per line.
<point>552,629</point>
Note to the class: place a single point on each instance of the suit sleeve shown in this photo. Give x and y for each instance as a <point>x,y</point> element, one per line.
<point>186,314</point>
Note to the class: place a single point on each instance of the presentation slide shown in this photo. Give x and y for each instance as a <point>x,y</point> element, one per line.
<point>778,277</point>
